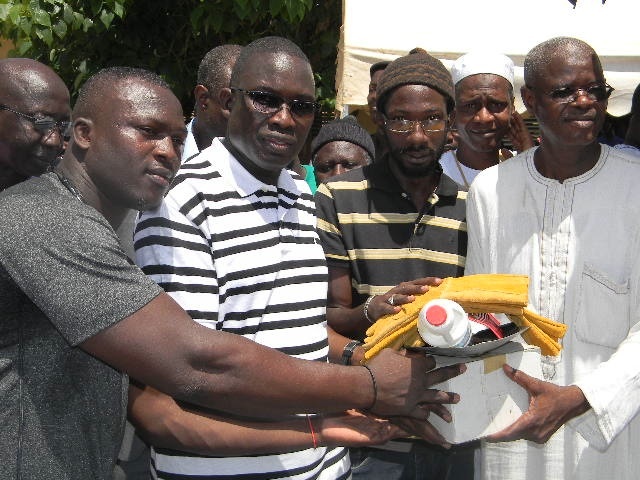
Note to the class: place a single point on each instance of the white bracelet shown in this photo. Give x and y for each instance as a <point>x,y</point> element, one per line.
<point>365,309</point>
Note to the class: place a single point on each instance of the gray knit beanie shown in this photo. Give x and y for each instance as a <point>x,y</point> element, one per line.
<point>416,68</point>
<point>346,129</point>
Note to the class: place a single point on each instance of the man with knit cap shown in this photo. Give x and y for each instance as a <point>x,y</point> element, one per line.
<point>341,145</point>
<point>387,229</point>
<point>484,115</point>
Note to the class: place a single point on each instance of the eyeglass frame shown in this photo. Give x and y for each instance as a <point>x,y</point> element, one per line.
<point>576,92</point>
<point>413,124</point>
<point>39,122</point>
<point>282,101</point>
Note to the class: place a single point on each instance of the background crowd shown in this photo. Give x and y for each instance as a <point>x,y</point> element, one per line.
<point>212,280</point>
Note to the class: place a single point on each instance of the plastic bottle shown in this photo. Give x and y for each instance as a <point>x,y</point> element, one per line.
<point>444,323</point>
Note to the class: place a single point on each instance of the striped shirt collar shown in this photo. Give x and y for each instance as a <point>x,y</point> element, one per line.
<point>238,178</point>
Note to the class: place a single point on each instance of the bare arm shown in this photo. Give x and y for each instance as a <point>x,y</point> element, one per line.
<point>162,422</point>
<point>162,347</point>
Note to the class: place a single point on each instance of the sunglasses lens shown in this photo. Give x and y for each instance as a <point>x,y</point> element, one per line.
<point>44,125</point>
<point>266,102</point>
<point>597,92</point>
<point>302,108</point>
<point>561,94</point>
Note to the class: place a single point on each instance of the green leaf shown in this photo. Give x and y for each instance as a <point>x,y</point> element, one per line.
<point>26,26</point>
<point>45,35</point>
<point>274,7</point>
<point>87,23</point>
<point>60,29</point>
<point>118,9</point>
<point>24,46</point>
<point>96,6</point>
<point>216,22</point>
<point>4,11</point>
<point>106,18</point>
<point>78,20</point>
<point>15,13</point>
<point>67,14</point>
<point>195,17</point>
<point>41,18</point>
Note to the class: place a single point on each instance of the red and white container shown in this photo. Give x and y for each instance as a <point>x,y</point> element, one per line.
<point>444,323</point>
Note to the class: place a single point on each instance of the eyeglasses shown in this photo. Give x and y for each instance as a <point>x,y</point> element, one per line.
<point>404,126</point>
<point>597,93</point>
<point>43,125</point>
<point>270,103</point>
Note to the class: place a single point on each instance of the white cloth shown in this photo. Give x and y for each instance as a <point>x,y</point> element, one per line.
<point>627,148</point>
<point>578,241</point>
<point>190,146</point>
<point>474,63</point>
<point>450,169</point>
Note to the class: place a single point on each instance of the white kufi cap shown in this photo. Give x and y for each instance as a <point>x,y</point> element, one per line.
<point>482,62</point>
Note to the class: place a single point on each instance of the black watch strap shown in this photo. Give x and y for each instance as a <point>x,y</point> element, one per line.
<point>347,353</point>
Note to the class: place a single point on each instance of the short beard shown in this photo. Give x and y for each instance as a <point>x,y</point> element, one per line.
<point>419,171</point>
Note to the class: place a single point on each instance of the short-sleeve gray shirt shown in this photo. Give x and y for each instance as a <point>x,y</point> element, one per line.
<point>63,278</point>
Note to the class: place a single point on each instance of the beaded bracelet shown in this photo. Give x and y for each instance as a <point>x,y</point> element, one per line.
<point>365,309</point>
<point>375,387</point>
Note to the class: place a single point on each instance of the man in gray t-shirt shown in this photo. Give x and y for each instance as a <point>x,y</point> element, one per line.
<point>58,402</point>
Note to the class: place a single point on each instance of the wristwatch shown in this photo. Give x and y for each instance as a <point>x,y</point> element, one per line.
<point>347,353</point>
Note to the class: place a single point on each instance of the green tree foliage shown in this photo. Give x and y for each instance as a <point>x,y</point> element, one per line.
<point>78,37</point>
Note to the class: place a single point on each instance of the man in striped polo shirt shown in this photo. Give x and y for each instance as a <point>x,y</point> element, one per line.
<point>386,227</point>
<point>234,243</point>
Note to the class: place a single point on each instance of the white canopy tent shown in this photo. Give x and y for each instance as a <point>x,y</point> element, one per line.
<point>375,30</point>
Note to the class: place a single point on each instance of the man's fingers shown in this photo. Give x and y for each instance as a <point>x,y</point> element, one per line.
<point>430,281</point>
<point>442,374</point>
<point>525,381</point>
<point>441,411</point>
<point>506,435</point>
<point>422,429</point>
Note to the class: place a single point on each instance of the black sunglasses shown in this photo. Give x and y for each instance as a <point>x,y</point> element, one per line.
<point>270,103</point>
<point>597,93</point>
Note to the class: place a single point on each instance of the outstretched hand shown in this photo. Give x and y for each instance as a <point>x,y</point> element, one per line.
<point>550,407</point>
<point>404,385</point>
<point>421,428</point>
<point>356,429</point>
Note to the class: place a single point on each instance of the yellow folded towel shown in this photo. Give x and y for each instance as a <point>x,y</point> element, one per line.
<point>484,293</point>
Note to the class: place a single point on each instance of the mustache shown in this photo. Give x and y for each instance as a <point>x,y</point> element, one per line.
<point>416,149</point>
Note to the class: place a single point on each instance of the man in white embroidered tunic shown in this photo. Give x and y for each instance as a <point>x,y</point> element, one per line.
<point>565,213</point>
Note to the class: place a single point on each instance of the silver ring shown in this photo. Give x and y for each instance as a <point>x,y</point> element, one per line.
<point>390,300</point>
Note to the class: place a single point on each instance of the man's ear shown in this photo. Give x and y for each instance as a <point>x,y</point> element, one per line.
<point>82,131</point>
<point>201,96</point>
<point>528,98</point>
<point>226,99</point>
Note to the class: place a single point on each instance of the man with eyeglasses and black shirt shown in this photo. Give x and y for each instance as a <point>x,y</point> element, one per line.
<point>234,243</point>
<point>566,214</point>
<point>385,228</point>
<point>34,117</point>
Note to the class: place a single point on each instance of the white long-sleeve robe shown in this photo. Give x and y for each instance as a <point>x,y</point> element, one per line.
<point>579,242</point>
